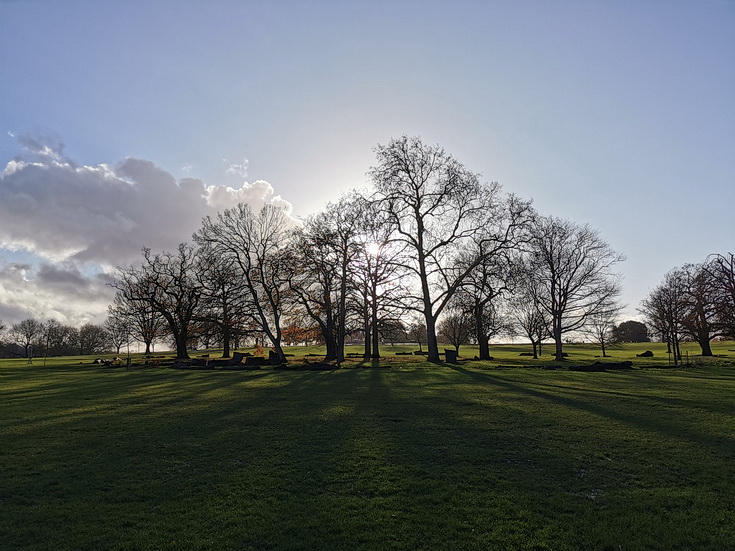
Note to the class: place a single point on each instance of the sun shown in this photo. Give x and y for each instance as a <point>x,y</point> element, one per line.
<point>373,249</point>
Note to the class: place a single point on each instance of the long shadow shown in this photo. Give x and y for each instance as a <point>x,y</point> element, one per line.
<point>669,428</point>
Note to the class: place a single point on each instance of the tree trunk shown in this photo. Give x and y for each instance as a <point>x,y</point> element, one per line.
<point>706,348</point>
<point>226,336</point>
<point>181,352</point>
<point>535,355</point>
<point>558,345</point>
<point>483,342</point>
<point>484,345</point>
<point>432,344</point>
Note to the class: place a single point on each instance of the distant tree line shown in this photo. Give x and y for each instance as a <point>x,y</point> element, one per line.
<point>429,253</point>
<point>695,302</point>
<point>32,337</point>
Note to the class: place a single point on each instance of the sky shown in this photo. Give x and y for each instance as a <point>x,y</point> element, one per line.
<point>122,124</point>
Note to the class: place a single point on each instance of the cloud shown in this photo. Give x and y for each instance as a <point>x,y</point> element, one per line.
<point>77,222</point>
<point>62,292</point>
<point>105,214</point>
<point>237,169</point>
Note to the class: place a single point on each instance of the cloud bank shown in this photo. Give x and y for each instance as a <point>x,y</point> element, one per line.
<point>81,221</point>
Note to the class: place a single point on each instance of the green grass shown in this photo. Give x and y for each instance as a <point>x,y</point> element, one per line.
<point>411,457</point>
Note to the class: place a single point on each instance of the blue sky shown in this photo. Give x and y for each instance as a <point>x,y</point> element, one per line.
<point>619,114</point>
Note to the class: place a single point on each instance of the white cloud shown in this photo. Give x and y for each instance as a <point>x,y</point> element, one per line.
<point>105,214</point>
<point>61,292</point>
<point>79,222</point>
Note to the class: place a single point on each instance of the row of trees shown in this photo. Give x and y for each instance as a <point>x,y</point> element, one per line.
<point>694,302</point>
<point>33,337</point>
<point>429,243</point>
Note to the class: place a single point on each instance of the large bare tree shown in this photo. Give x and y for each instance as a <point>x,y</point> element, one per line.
<point>167,283</point>
<point>256,243</point>
<point>571,274</point>
<point>436,207</point>
<point>722,270</point>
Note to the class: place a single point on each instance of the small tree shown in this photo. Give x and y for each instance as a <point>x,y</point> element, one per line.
<point>456,328</point>
<point>118,331</point>
<point>25,333</point>
<point>600,327</point>
<point>665,309</point>
<point>417,331</point>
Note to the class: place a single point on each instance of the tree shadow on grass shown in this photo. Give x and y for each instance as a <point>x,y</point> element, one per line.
<point>669,426</point>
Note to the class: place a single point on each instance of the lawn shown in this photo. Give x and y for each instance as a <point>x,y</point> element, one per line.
<point>412,456</point>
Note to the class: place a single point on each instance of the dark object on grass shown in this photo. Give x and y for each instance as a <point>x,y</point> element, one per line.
<point>420,353</point>
<point>646,354</point>
<point>451,356</point>
<point>404,353</point>
<point>255,360</point>
<point>307,367</point>
<point>602,366</point>
<point>526,354</point>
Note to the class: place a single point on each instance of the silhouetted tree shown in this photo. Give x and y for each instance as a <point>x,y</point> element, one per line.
<point>93,339</point>
<point>435,207</point>
<point>256,243</point>
<point>600,327</point>
<point>167,283</point>
<point>118,331</point>
<point>224,297</point>
<point>722,270</point>
<point>455,328</point>
<point>665,309</point>
<point>25,333</point>
<point>571,274</point>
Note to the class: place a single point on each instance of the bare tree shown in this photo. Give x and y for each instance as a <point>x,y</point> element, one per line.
<point>118,331</point>
<point>60,340</point>
<point>224,297</point>
<point>93,339</point>
<point>314,281</point>
<point>701,299</point>
<point>665,309</point>
<point>435,207</point>
<point>377,274</point>
<point>571,275</point>
<point>417,331</point>
<point>529,319</point>
<point>455,328</point>
<point>722,271</point>
<point>167,283</point>
<point>144,323</point>
<point>601,327</point>
<point>256,243</point>
<point>25,333</point>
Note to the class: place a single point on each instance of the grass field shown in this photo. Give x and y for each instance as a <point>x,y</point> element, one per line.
<point>413,456</point>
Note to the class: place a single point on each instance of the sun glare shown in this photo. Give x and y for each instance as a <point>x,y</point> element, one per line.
<point>373,249</point>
